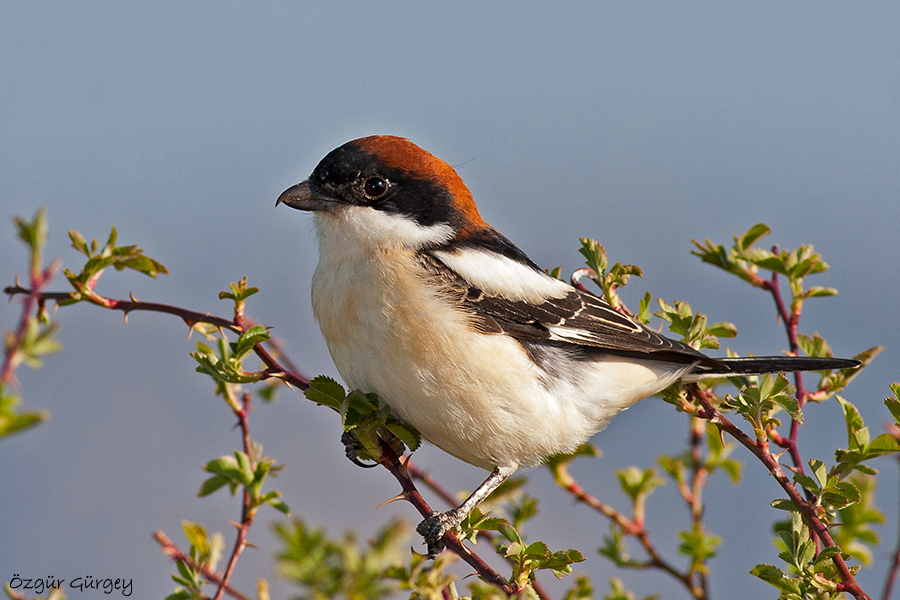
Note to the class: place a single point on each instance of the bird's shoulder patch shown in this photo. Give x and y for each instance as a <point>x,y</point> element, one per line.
<point>500,275</point>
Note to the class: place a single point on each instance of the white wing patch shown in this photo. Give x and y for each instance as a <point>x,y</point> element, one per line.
<point>498,275</point>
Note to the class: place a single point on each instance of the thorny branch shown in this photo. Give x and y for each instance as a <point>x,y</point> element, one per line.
<point>416,473</point>
<point>760,449</point>
<point>791,320</point>
<point>247,514</point>
<point>190,317</point>
<point>393,463</point>
<point>390,459</point>
<point>34,296</point>
<point>698,482</point>
<point>171,550</point>
<point>636,529</point>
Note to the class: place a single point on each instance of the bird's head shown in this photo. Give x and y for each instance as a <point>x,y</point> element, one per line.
<point>389,183</point>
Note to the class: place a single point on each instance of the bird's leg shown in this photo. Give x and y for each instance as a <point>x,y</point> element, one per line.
<point>434,527</point>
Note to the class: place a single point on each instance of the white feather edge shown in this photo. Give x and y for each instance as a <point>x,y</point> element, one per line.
<point>499,275</point>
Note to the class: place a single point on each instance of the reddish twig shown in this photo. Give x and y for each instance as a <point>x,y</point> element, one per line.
<point>760,449</point>
<point>895,566</point>
<point>791,320</point>
<point>635,529</point>
<point>190,317</point>
<point>698,482</point>
<point>391,461</point>
<point>274,369</point>
<point>417,473</point>
<point>39,279</point>
<point>247,514</point>
<point>175,553</point>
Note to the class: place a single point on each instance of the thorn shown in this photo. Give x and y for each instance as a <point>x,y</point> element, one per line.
<point>236,525</point>
<point>403,460</point>
<point>125,315</point>
<point>722,438</point>
<point>400,496</point>
<point>777,458</point>
<point>419,554</point>
<point>133,299</point>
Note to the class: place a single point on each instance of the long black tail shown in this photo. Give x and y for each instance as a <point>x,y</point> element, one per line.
<point>759,365</point>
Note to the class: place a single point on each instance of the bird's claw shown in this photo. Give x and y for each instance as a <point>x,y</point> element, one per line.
<point>435,526</point>
<point>352,446</point>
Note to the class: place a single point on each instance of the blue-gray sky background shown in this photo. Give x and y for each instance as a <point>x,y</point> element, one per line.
<point>640,124</point>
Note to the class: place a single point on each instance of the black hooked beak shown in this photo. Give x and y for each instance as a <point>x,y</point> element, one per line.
<point>303,197</point>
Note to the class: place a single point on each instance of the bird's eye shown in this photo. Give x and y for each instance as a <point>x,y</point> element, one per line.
<point>375,187</point>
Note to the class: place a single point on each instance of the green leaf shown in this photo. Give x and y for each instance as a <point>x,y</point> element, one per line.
<point>594,254</point>
<point>281,507</point>
<point>228,467</point>
<point>580,590</point>
<point>784,504</point>
<point>488,523</point>
<point>643,315</point>
<point>239,291</point>
<point>406,434</point>
<point>752,235</point>
<point>698,545</point>
<point>883,444</point>
<point>776,577</point>
<point>765,259</point>
<point>722,329</point>
<point>79,243</point>
<point>196,535</point>
<point>636,482</point>
<point>212,484</point>
<point>853,420</point>
<point>807,482</point>
<point>790,405</point>
<point>820,471</point>
<point>325,391</point>
<point>250,338</point>
<point>536,549</point>
<point>558,463</point>
<point>893,403</point>
<point>819,291</point>
<point>840,494</point>
<point>559,563</point>
<point>615,549</point>
<point>509,532</point>
<point>245,467</point>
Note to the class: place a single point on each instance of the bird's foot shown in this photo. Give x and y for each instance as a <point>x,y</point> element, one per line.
<point>435,526</point>
<point>352,447</point>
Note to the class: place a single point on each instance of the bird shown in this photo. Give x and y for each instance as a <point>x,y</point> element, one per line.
<point>461,334</point>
